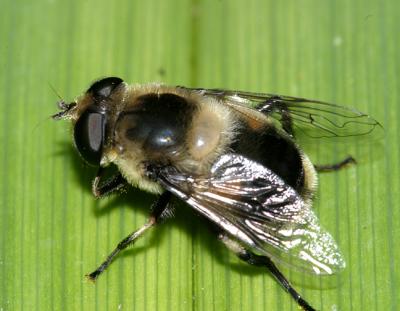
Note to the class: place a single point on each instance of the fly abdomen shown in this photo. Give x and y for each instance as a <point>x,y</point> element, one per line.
<point>274,151</point>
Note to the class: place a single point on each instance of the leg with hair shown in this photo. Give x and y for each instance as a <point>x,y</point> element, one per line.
<point>156,215</point>
<point>263,261</point>
<point>102,189</point>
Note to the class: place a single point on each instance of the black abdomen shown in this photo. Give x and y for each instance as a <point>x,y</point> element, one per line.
<point>274,151</point>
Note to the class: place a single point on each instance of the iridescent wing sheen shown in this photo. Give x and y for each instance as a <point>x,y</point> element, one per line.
<point>310,118</point>
<point>256,207</point>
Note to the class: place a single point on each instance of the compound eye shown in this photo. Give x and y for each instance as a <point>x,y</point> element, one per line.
<point>103,88</point>
<point>89,134</point>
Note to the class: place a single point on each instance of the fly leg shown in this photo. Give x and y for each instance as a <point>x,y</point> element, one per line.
<point>158,210</point>
<point>264,261</point>
<point>102,189</point>
<point>336,166</point>
<point>275,104</point>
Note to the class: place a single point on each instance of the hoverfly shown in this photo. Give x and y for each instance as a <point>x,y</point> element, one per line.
<point>232,156</point>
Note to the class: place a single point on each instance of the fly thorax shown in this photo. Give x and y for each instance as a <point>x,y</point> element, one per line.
<point>155,126</point>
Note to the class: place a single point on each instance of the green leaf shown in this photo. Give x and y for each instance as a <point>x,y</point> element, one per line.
<point>53,232</point>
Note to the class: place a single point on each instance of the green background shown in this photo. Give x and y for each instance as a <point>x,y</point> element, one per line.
<point>52,231</point>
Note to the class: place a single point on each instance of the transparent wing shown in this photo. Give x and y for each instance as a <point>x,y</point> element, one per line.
<point>255,206</point>
<point>310,118</point>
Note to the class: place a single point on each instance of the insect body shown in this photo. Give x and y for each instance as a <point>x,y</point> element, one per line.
<point>232,156</point>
